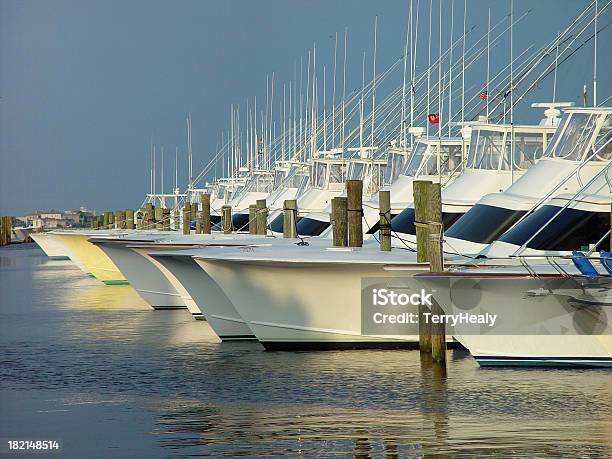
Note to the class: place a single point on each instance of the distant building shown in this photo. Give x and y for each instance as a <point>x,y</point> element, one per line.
<point>57,219</point>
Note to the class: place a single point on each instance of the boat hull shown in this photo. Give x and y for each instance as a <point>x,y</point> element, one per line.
<point>298,306</point>
<point>554,320</point>
<point>51,245</point>
<point>91,259</point>
<point>199,291</point>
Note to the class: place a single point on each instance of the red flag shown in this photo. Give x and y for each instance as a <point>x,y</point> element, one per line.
<point>484,95</point>
<point>433,118</point>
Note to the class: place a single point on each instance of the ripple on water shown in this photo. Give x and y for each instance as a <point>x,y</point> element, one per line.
<point>66,334</point>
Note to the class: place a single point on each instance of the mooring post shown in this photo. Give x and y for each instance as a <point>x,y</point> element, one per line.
<point>187,218</point>
<point>384,225</point>
<point>262,217</point>
<point>420,189</point>
<point>436,265</point>
<point>166,219</point>
<point>105,220</point>
<point>354,193</point>
<point>129,219</point>
<point>290,219</point>
<point>148,219</point>
<point>197,216</point>
<point>226,219</point>
<point>339,220</point>
<point>159,218</point>
<point>119,219</point>
<point>253,219</point>
<point>205,201</point>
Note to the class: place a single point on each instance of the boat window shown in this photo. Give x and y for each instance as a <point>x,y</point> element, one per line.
<point>404,221</point>
<point>240,222</point>
<point>483,223</point>
<point>574,140</point>
<point>487,150</point>
<point>571,229</point>
<point>395,161</point>
<point>336,174</point>
<point>318,174</point>
<point>603,142</point>
<point>311,227</point>
<point>373,178</point>
<point>277,224</point>
<point>412,166</point>
<point>356,170</point>
<point>528,148</point>
<point>279,177</point>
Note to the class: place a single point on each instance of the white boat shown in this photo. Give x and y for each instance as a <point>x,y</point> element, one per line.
<point>551,310</point>
<point>22,233</point>
<point>310,296</point>
<point>572,159</point>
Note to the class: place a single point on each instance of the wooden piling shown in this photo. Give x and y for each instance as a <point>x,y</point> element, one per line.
<point>354,192</point>
<point>129,219</point>
<point>384,225</point>
<point>140,218</point>
<point>148,220</point>
<point>420,189</point>
<point>6,227</point>
<point>177,219</point>
<point>205,201</point>
<point>253,219</point>
<point>262,217</point>
<point>226,219</point>
<point>187,219</point>
<point>105,220</point>
<point>290,219</point>
<point>339,220</point>
<point>166,219</point>
<point>159,218</point>
<point>436,265</point>
<point>119,219</point>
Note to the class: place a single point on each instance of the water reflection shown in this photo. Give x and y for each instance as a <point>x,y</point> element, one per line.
<point>197,396</point>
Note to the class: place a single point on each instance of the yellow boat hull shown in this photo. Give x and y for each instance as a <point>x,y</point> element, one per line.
<point>95,261</point>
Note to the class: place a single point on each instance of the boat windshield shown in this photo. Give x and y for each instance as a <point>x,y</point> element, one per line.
<point>484,224</point>
<point>356,169</point>
<point>279,177</point>
<point>404,221</point>
<point>571,229</point>
<point>395,162</point>
<point>573,136</point>
<point>424,159</point>
<point>492,150</point>
<point>318,175</point>
<point>311,227</point>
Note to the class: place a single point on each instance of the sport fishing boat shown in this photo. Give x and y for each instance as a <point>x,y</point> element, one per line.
<point>289,176</point>
<point>362,167</point>
<point>499,155</point>
<point>578,151</point>
<point>261,282</point>
<point>552,298</point>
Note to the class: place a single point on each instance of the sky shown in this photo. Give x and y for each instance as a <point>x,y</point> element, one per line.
<point>86,85</point>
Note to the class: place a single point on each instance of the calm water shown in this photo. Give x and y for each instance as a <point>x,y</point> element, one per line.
<point>92,366</point>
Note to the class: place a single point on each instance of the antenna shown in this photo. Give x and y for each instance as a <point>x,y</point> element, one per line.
<point>595,56</point>
<point>556,64</point>
<point>344,87</point>
<point>408,36</point>
<point>450,68</point>
<point>512,91</point>
<point>334,96</point>
<point>429,67</point>
<point>374,79</point>
<point>162,170</point>
<point>488,61</point>
<point>463,63</point>
<point>324,115</point>
<point>176,190</point>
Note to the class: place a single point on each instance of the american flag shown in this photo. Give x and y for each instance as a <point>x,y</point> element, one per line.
<point>484,95</point>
